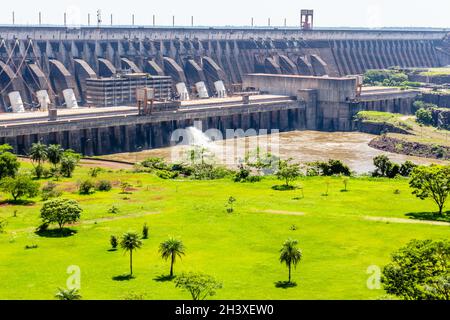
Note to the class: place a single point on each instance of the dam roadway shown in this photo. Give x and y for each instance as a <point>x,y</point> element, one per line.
<point>99,131</point>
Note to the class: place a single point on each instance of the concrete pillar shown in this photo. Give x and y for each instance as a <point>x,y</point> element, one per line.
<point>74,138</point>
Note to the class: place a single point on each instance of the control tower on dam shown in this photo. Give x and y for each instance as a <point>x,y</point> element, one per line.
<point>53,63</point>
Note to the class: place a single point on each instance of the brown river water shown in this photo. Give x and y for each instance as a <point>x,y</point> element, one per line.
<point>302,146</point>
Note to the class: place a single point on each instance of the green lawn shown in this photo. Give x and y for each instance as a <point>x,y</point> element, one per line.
<point>240,249</point>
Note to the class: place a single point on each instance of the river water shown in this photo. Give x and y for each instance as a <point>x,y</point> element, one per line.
<point>302,146</point>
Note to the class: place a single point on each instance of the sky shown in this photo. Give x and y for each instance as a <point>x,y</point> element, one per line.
<point>327,13</point>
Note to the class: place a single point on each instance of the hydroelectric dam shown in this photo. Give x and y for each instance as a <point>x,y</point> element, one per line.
<point>78,86</point>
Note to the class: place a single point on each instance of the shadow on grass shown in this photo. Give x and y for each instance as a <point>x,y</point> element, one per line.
<point>123,277</point>
<point>283,187</point>
<point>285,284</point>
<point>430,216</point>
<point>164,278</point>
<point>343,190</point>
<point>56,233</point>
<point>112,250</point>
<point>19,202</point>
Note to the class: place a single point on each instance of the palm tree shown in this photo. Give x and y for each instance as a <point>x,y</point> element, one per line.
<point>171,248</point>
<point>38,152</point>
<point>130,241</point>
<point>68,294</point>
<point>290,254</point>
<point>54,154</point>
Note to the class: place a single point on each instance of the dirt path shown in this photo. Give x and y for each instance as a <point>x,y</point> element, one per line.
<point>108,164</point>
<point>410,221</point>
<point>96,221</point>
<point>105,164</point>
<point>281,212</point>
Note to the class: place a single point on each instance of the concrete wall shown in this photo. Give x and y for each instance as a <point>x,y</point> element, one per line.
<point>331,112</point>
<point>98,136</point>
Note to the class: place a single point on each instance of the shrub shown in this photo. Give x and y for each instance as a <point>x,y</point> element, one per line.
<point>49,191</point>
<point>242,175</point>
<point>113,210</point>
<point>93,172</point>
<point>155,163</point>
<point>208,171</point>
<point>104,185</point>
<point>330,168</point>
<point>407,168</point>
<point>68,294</point>
<point>166,174</point>
<point>114,242</point>
<point>145,230</point>
<point>86,187</point>
<point>384,167</point>
<point>183,169</point>
<point>41,172</point>
<point>424,116</point>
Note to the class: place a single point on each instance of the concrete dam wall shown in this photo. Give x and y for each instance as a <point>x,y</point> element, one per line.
<point>56,58</point>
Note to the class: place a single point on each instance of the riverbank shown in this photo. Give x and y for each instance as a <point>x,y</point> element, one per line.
<point>403,135</point>
<point>302,146</point>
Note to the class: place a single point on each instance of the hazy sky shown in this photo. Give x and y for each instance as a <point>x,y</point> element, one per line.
<point>328,13</point>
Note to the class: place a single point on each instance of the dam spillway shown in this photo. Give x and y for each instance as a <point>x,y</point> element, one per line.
<point>59,58</point>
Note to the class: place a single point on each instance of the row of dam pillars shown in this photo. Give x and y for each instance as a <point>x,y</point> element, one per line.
<point>138,137</point>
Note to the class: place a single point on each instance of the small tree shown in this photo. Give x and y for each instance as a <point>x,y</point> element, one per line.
<point>68,294</point>
<point>60,211</point>
<point>54,154</point>
<point>198,285</point>
<point>38,154</point>
<point>69,161</point>
<point>288,172</point>
<point>431,182</point>
<point>20,186</point>
<point>9,165</point>
<point>345,181</point>
<point>171,248</point>
<point>231,201</point>
<point>290,255</point>
<point>130,242</point>
<point>125,186</point>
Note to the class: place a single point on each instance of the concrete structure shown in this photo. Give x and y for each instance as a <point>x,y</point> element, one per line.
<point>332,102</point>
<point>111,130</point>
<point>59,58</point>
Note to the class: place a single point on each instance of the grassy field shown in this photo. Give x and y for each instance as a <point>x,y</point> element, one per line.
<point>341,235</point>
